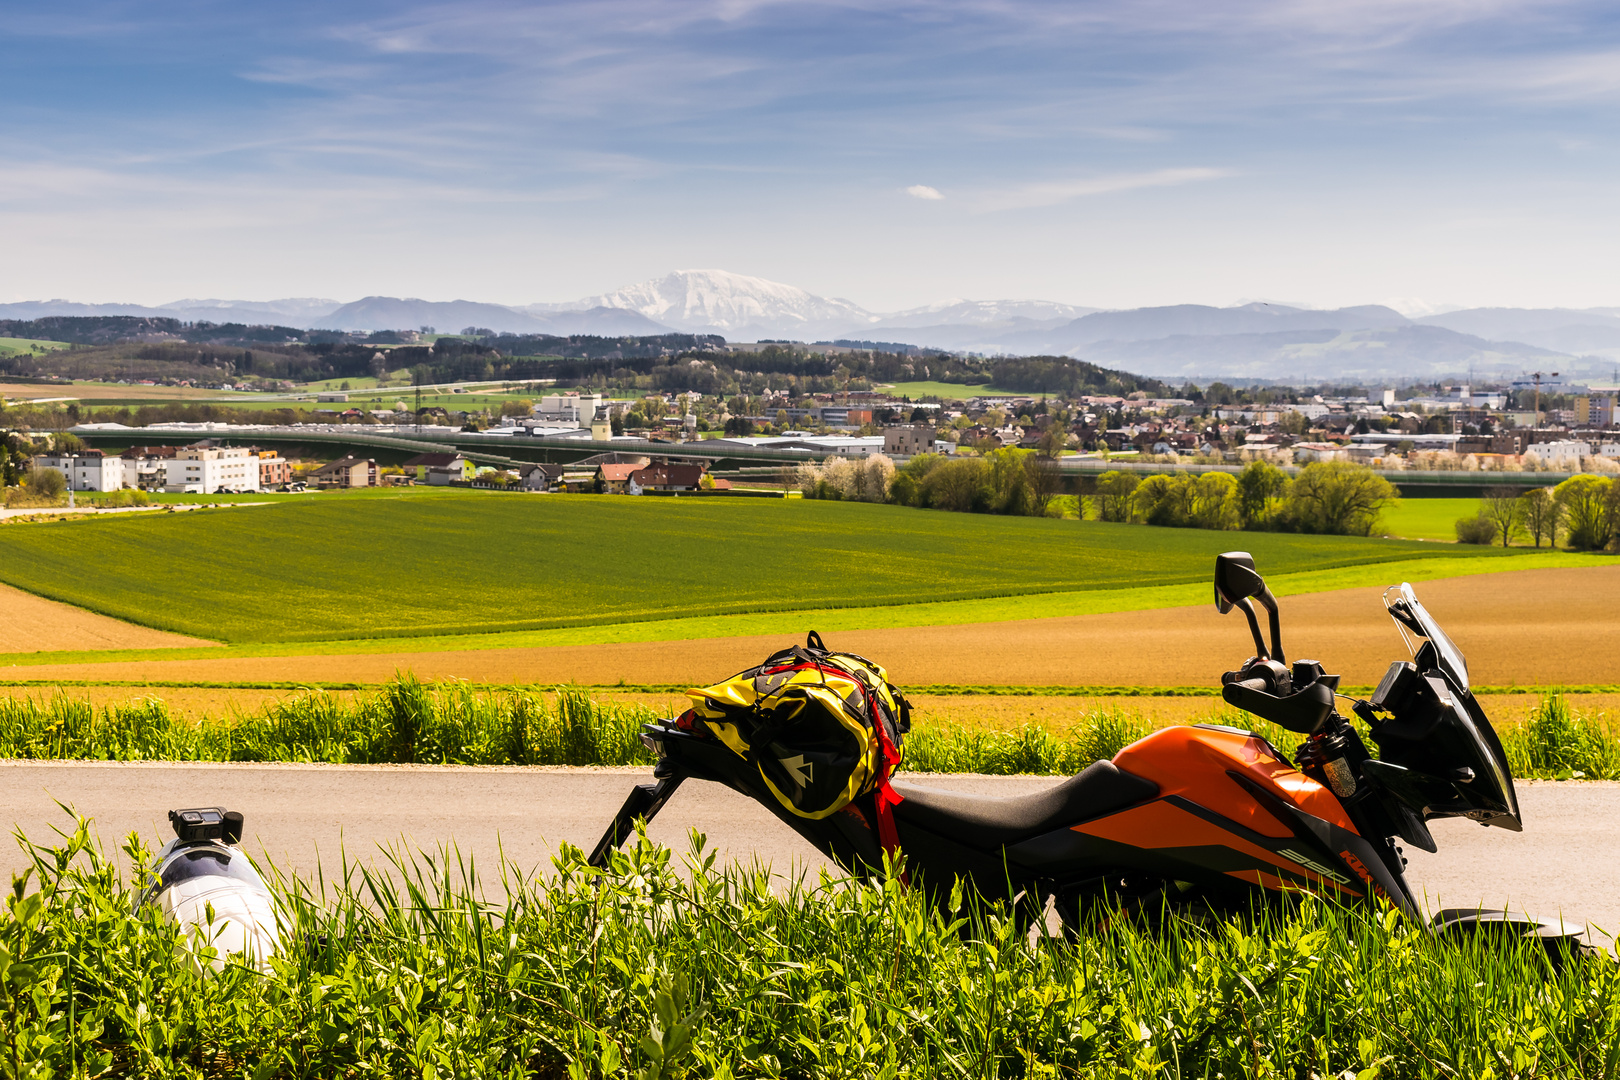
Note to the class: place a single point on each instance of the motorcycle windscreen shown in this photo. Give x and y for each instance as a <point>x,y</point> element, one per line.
<point>1468,739</point>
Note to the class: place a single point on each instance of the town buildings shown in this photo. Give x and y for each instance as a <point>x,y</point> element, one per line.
<point>908,440</point>
<point>576,410</point>
<point>146,467</point>
<point>440,469</point>
<point>664,478</point>
<point>274,470</point>
<point>86,470</point>
<point>347,471</point>
<point>209,469</point>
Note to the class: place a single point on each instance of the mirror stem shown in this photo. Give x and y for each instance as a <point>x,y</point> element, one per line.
<point>1276,625</point>
<point>1247,607</point>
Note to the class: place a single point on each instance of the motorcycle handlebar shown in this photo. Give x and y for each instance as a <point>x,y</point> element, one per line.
<point>1252,684</point>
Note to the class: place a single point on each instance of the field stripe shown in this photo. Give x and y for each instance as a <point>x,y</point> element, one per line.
<point>943,613</point>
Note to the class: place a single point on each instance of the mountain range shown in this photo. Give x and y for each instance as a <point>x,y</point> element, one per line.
<point>1253,340</point>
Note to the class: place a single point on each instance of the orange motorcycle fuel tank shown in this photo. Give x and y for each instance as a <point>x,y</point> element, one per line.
<point>1230,808</point>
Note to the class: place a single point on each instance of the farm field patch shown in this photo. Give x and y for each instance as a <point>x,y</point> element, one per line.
<point>943,613</point>
<point>1512,626</point>
<point>1427,519</point>
<point>1434,519</point>
<point>101,393</point>
<point>12,345</point>
<point>33,622</point>
<point>406,566</point>
<point>958,391</point>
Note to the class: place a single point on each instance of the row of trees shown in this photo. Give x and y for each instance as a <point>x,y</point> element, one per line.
<point>1001,482</point>
<point>1585,509</point>
<point>1332,497</point>
<point>1326,497</point>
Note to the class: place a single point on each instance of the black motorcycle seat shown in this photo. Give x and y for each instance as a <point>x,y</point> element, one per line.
<point>984,821</point>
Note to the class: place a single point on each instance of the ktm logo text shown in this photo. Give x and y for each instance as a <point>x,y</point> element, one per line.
<point>1311,864</point>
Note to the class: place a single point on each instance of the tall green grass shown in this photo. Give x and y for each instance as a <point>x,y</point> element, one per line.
<point>408,721</point>
<point>654,970</point>
<point>1031,748</point>
<point>1563,744</point>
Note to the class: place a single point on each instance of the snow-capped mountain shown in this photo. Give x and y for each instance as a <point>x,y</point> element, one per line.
<point>1248,340</point>
<point>744,308</point>
<point>739,307</point>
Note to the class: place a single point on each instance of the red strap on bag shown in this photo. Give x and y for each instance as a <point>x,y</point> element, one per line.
<point>884,800</point>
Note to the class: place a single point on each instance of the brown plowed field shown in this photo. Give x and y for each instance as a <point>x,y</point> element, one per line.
<point>30,623</point>
<point>1529,627</point>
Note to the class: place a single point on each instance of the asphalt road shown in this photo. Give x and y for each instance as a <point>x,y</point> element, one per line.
<point>1566,862</point>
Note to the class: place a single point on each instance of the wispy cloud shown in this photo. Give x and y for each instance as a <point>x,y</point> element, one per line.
<point>655,134</point>
<point>1053,192</point>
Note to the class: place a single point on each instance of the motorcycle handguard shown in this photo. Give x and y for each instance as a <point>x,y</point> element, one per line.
<point>1304,711</point>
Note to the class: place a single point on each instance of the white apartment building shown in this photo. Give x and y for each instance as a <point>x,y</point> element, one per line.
<point>1571,449</point>
<point>206,470</point>
<point>576,409</point>
<point>86,470</point>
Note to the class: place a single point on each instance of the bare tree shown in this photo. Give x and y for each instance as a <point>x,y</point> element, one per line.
<point>1502,507</point>
<point>1542,514</point>
<point>1045,482</point>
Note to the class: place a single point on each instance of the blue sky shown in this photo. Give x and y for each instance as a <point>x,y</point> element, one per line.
<point>1107,154</point>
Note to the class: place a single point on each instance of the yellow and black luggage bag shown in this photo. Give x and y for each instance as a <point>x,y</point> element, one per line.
<point>821,727</point>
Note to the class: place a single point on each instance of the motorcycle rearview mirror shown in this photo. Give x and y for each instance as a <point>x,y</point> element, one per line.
<point>1236,582</point>
<point>1235,579</point>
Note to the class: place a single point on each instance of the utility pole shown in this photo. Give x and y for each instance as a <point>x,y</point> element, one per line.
<point>1538,375</point>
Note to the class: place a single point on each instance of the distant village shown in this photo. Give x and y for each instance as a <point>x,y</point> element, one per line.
<point>1462,429</point>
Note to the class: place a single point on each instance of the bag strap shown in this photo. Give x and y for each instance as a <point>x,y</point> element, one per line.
<point>884,800</point>
<point>812,640</point>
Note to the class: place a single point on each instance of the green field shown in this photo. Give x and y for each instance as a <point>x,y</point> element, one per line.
<point>10,345</point>
<point>958,391</point>
<point>1428,519</point>
<point>1433,519</point>
<point>388,567</point>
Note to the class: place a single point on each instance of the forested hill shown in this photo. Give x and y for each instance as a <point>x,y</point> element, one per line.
<point>132,347</point>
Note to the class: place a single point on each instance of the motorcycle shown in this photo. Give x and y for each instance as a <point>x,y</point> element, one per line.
<point>1200,816</point>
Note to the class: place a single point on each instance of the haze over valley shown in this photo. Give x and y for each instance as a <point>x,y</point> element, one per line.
<point>1255,340</point>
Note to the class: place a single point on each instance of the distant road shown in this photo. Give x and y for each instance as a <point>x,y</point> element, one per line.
<point>27,511</point>
<point>1567,861</point>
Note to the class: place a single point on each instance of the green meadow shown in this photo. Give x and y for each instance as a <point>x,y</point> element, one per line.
<point>9,345</point>
<point>385,568</point>
<point>1433,519</point>
<point>1428,519</point>
<point>948,391</point>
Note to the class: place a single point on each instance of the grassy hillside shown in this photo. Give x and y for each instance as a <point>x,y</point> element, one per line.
<point>1427,519</point>
<point>949,391</point>
<point>402,567</point>
<point>17,345</point>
